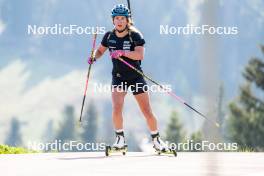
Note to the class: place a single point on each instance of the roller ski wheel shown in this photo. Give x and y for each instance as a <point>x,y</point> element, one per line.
<point>110,150</point>
<point>168,152</point>
<point>107,150</point>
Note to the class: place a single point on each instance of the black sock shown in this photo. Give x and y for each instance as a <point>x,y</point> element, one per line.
<point>155,135</point>
<point>120,133</point>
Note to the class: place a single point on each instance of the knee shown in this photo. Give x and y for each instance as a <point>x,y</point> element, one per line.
<point>147,112</point>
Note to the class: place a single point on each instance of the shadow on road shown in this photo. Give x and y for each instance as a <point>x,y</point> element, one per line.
<point>112,156</point>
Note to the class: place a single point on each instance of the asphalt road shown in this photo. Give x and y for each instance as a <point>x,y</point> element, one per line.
<point>96,164</point>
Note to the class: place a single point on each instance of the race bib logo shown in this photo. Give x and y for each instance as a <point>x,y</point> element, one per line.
<point>126,45</point>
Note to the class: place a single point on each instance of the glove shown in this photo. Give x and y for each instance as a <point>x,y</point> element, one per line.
<point>117,53</point>
<point>91,59</point>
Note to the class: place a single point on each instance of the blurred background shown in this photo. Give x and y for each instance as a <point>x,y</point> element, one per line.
<point>42,77</point>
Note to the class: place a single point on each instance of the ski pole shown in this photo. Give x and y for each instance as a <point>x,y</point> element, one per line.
<point>88,73</point>
<point>168,92</point>
<point>130,12</point>
<point>128,5</point>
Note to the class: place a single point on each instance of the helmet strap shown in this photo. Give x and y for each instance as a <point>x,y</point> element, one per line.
<point>120,31</point>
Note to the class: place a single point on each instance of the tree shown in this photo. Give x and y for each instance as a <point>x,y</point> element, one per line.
<point>246,122</point>
<point>174,131</point>
<point>14,136</point>
<point>48,134</point>
<point>220,111</point>
<point>90,128</point>
<point>132,142</point>
<point>67,129</point>
<point>196,137</point>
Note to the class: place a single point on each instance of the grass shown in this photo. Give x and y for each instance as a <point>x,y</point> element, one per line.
<point>5,149</point>
<point>245,149</point>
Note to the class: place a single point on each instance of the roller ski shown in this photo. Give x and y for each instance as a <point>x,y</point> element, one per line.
<point>161,147</point>
<point>119,146</point>
<point>110,150</point>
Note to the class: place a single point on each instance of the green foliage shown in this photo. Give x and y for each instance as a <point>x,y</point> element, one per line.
<point>254,72</point>
<point>246,122</point>
<point>196,137</point>
<point>245,149</point>
<point>174,131</point>
<point>5,149</point>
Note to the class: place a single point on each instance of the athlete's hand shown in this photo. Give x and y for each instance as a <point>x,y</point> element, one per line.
<point>91,60</point>
<point>117,53</point>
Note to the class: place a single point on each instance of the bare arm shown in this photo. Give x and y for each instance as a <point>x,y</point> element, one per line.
<point>138,54</point>
<point>100,51</point>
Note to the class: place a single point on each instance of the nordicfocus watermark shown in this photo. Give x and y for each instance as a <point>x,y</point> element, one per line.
<point>190,29</point>
<point>59,29</point>
<point>190,145</point>
<point>59,145</point>
<point>126,87</point>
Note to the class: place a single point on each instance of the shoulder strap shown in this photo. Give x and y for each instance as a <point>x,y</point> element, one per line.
<point>130,36</point>
<point>132,41</point>
<point>109,35</point>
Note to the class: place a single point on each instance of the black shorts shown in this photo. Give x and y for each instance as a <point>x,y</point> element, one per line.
<point>137,85</point>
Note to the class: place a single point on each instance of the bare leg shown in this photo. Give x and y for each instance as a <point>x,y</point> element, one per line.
<point>143,102</point>
<point>117,102</point>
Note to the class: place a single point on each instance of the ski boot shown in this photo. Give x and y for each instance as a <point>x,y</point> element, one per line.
<point>119,146</point>
<point>161,147</point>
